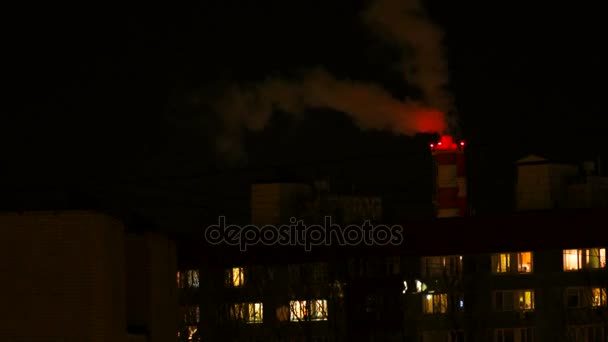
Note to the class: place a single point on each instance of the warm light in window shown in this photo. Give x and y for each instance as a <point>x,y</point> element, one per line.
<point>308,310</point>
<point>235,277</point>
<point>512,262</point>
<point>248,312</point>
<point>598,297</point>
<point>590,258</point>
<point>526,300</point>
<point>514,300</point>
<point>524,262</point>
<point>435,303</point>
<point>187,278</point>
<point>255,313</point>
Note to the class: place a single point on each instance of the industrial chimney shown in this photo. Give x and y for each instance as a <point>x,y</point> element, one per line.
<point>450,177</point>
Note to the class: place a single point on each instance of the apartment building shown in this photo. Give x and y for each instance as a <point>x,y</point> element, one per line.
<point>442,284</point>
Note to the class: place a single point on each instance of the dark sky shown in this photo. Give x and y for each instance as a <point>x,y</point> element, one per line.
<point>106,97</point>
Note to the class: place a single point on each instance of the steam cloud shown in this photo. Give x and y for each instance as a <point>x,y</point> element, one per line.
<point>403,23</point>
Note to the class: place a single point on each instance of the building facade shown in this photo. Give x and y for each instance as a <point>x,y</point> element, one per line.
<point>502,288</point>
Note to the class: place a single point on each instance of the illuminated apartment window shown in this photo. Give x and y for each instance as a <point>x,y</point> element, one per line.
<point>512,262</point>
<point>514,335</point>
<point>436,303</point>
<point>586,333</point>
<point>235,277</point>
<point>187,278</point>
<point>514,300</point>
<point>308,310</point>
<point>589,258</point>
<point>247,312</point>
<point>442,266</point>
<point>443,336</point>
<point>598,297</point>
<point>581,297</point>
<point>189,333</point>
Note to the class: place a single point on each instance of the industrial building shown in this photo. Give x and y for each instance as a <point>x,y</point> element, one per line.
<point>538,274</point>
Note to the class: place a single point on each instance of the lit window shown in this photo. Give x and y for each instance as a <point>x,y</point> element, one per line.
<point>512,262</point>
<point>598,297</point>
<point>590,258</point>
<point>442,266</point>
<point>187,278</point>
<point>514,335</point>
<point>247,312</point>
<point>435,303</point>
<point>304,310</point>
<point>580,297</point>
<point>235,277</point>
<point>189,333</point>
<point>517,300</point>
<point>255,313</point>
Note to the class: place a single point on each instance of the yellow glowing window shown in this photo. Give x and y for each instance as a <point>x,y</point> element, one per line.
<point>598,297</point>
<point>512,262</point>
<point>590,258</point>
<point>248,312</point>
<point>189,333</point>
<point>308,310</point>
<point>255,313</point>
<point>518,300</point>
<point>187,278</point>
<point>235,277</point>
<point>526,300</point>
<point>504,263</point>
<point>435,303</point>
<point>524,262</point>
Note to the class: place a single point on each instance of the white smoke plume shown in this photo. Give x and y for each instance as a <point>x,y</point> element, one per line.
<point>406,24</point>
<point>403,23</point>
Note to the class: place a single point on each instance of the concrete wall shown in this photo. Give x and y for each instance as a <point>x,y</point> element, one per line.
<point>63,277</point>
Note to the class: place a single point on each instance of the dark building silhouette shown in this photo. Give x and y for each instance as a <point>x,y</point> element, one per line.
<point>83,275</point>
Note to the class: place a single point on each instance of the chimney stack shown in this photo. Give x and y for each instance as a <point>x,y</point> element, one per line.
<point>450,196</point>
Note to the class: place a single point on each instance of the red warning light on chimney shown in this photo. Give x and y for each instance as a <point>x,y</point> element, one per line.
<point>447,143</point>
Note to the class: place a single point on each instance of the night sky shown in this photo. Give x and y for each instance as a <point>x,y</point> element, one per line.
<point>109,102</point>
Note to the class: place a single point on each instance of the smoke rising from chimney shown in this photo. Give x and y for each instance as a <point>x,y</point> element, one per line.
<point>401,22</point>
<point>406,24</point>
